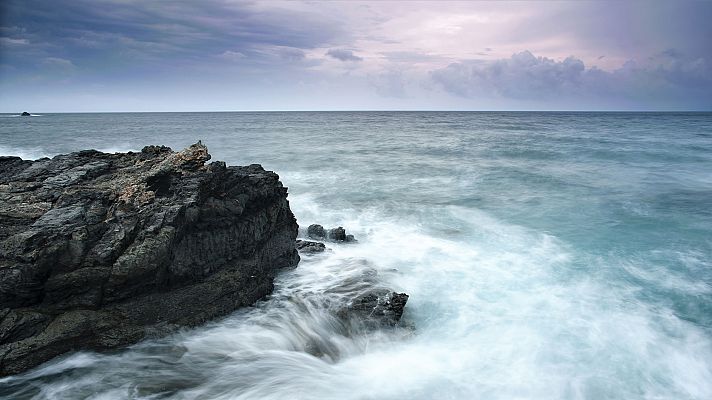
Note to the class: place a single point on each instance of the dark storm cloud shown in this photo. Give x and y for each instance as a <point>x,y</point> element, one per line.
<point>95,34</point>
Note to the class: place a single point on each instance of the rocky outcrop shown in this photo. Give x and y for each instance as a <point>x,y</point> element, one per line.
<point>316,231</point>
<point>25,114</point>
<point>101,250</point>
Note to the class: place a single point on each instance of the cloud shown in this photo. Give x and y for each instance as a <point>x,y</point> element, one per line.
<point>289,53</point>
<point>232,55</point>
<point>58,62</point>
<point>521,76</point>
<point>60,69</point>
<point>280,53</point>
<point>390,84</point>
<point>410,57</point>
<point>669,76</point>
<point>343,55</point>
<point>166,36</point>
<point>6,41</point>
<point>450,53</point>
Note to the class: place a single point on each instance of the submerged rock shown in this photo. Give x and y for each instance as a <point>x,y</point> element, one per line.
<point>309,247</point>
<point>100,250</point>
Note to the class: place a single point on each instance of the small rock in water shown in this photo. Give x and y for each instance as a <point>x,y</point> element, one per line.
<point>316,231</point>
<point>337,234</point>
<point>379,307</point>
<point>25,114</point>
<point>309,247</point>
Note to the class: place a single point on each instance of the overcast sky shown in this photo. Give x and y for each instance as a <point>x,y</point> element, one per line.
<point>92,55</point>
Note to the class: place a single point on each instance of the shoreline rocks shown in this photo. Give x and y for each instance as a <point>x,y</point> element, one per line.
<point>309,247</point>
<point>338,234</point>
<point>100,250</point>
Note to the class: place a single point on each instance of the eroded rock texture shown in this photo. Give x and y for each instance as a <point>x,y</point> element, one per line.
<point>101,250</point>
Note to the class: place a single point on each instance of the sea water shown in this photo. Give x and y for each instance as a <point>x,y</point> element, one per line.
<point>546,255</point>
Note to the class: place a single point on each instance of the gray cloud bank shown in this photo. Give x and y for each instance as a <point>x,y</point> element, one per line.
<point>668,79</point>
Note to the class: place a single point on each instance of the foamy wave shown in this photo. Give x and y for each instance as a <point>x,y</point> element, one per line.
<point>35,153</point>
<point>25,153</point>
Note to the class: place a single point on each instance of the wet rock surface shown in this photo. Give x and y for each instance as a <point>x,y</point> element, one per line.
<point>317,232</point>
<point>102,250</point>
<point>309,247</point>
<point>377,308</point>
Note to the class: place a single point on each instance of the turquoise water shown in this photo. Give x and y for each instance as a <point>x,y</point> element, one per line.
<point>547,255</point>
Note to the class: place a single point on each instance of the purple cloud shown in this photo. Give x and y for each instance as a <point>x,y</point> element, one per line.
<point>343,55</point>
<point>667,76</point>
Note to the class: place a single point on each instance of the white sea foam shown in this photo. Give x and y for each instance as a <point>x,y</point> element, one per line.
<point>496,315</point>
<point>35,153</point>
<point>26,153</point>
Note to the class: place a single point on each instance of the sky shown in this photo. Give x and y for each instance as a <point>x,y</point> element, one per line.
<point>223,55</point>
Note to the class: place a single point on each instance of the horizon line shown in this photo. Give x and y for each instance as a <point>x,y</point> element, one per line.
<point>357,110</point>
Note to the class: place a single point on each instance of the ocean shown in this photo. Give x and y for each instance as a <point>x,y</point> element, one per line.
<point>547,255</point>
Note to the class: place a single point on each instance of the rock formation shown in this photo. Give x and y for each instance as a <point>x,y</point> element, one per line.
<point>377,308</point>
<point>101,250</point>
<point>309,247</point>
<point>316,231</point>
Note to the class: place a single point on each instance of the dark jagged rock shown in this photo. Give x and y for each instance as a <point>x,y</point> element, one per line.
<point>376,308</point>
<point>316,231</point>
<point>309,247</point>
<point>25,114</point>
<point>337,234</point>
<point>101,250</point>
